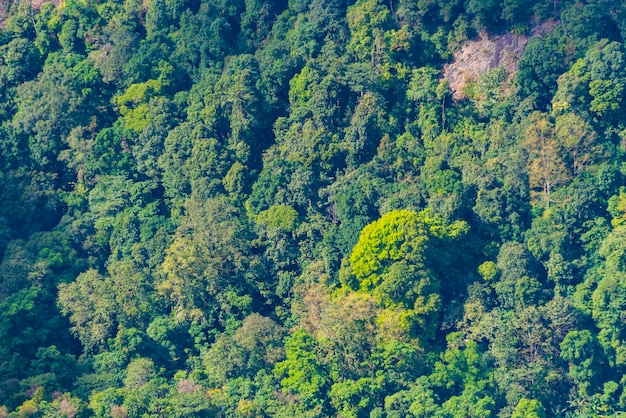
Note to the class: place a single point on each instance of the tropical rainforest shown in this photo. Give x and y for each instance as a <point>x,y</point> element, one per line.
<point>228,208</point>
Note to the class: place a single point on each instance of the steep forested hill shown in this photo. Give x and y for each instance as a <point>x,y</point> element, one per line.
<point>283,209</point>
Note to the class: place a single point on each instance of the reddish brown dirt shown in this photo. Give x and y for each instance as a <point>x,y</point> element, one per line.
<point>488,51</point>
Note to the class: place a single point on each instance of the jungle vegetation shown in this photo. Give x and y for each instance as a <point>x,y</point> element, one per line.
<point>278,209</point>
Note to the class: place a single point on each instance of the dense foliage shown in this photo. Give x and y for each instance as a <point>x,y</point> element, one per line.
<point>277,208</point>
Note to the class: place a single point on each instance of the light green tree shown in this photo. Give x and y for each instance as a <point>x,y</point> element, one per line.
<point>392,261</point>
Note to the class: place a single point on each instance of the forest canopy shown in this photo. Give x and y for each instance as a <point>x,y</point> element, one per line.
<point>284,209</point>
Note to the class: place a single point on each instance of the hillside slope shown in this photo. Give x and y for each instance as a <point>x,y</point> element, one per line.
<point>312,208</point>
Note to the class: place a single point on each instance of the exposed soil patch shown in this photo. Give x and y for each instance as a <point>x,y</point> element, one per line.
<point>478,56</point>
<point>9,6</point>
<point>4,11</point>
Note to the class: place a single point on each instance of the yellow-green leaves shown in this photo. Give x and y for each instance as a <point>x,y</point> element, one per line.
<point>368,20</point>
<point>392,261</point>
<point>393,237</point>
<point>279,217</point>
<point>617,208</point>
<point>133,104</point>
<point>488,270</point>
<point>400,235</point>
<point>546,165</point>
